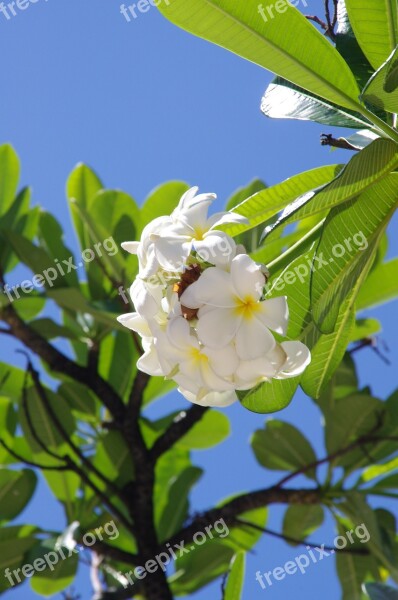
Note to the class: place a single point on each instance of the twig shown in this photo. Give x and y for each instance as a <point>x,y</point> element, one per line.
<point>328,140</point>
<point>60,363</point>
<point>182,423</point>
<point>288,538</point>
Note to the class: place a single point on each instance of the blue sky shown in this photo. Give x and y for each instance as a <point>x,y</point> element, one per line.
<point>144,102</point>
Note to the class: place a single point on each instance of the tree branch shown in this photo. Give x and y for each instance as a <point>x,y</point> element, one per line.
<point>288,538</point>
<point>60,363</point>
<point>182,423</point>
<point>244,503</point>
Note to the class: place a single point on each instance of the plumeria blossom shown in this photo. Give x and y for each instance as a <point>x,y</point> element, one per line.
<point>201,309</point>
<point>230,309</point>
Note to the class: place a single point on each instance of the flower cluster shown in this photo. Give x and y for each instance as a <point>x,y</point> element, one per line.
<point>202,313</point>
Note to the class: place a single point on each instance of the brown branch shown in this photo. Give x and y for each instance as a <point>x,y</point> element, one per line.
<point>368,438</point>
<point>328,140</point>
<point>60,363</point>
<point>89,466</point>
<point>30,463</point>
<point>182,423</point>
<point>317,20</point>
<point>114,553</point>
<point>244,503</point>
<point>288,538</point>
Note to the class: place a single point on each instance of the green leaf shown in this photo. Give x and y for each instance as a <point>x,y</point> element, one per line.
<point>236,578</point>
<point>38,261</point>
<point>377,591</point>
<point>212,429</point>
<point>65,486</point>
<point>352,569</point>
<point>168,468</point>
<point>51,239</point>
<point>81,400</point>
<point>15,542</point>
<point>202,565</point>
<point>243,536</point>
<point>81,187</point>
<point>326,352</point>
<point>286,44</point>
<point>43,425</point>
<point>350,50</point>
<point>73,299</point>
<point>50,330</point>
<point>17,219</point>
<point>113,458</point>
<point>375,26</point>
<point>176,509</point>
<point>347,248</point>
<point>382,88</point>
<point>347,419</point>
<point>284,100</point>
<point>9,176</point>
<point>53,580</point>
<point>157,387</point>
<point>359,512</point>
<point>269,202</point>
<point>301,520</point>
<point>364,169</point>
<point>117,359</point>
<point>162,201</point>
<point>365,328</point>
<point>380,287</point>
<point>16,491</point>
<point>282,447</point>
<point>270,396</point>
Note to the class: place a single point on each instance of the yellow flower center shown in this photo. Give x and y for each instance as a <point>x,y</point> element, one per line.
<point>199,233</point>
<point>197,356</point>
<point>247,307</point>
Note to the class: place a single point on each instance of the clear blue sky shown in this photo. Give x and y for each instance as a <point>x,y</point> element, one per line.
<point>144,102</point>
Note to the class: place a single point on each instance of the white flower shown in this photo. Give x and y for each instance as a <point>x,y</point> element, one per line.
<point>230,309</point>
<point>214,399</point>
<point>193,229</point>
<point>145,248</point>
<point>199,368</point>
<point>286,360</point>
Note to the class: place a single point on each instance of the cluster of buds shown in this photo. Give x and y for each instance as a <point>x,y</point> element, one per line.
<point>202,310</point>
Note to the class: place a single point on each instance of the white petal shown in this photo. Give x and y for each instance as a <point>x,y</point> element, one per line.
<point>247,277</point>
<point>145,302</point>
<point>274,314</point>
<point>298,358</point>
<point>135,322</point>
<point>212,381</point>
<point>179,333</point>
<point>222,218</point>
<point>213,288</point>
<point>149,363</point>
<point>215,399</point>
<point>131,247</point>
<point>253,340</point>
<point>217,327</point>
<point>223,361</point>
<point>217,248</point>
<point>171,252</point>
